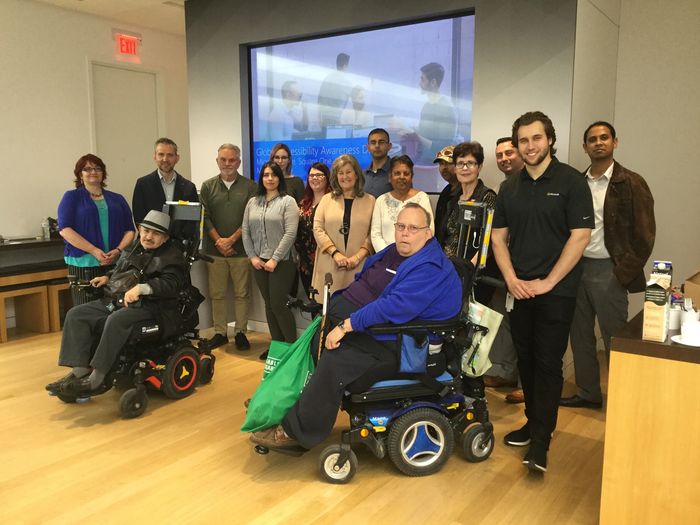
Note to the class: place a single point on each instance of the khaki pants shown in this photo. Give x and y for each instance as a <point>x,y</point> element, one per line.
<point>238,269</point>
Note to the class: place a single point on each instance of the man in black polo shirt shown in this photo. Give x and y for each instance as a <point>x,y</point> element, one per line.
<point>542,224</point>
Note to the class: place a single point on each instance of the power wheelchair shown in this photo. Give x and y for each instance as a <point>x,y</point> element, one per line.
<point>170,363</point>
<point>416,421</point>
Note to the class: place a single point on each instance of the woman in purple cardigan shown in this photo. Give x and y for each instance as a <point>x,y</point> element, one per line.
<point>96,225</point>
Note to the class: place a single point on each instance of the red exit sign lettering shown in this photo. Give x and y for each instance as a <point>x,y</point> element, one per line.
<point>127,45</point>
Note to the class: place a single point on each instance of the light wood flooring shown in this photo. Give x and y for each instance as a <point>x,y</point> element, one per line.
<point>187,462</point>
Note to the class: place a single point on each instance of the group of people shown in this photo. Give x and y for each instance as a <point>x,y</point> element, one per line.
<point>568,246</point>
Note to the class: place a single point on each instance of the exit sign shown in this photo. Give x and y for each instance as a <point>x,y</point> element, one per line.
<point>127,46</point>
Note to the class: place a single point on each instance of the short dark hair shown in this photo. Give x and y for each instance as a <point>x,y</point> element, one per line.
<point>401,159</point>
<point>80,165</point>
<point>379,130</point>
<point>504,139</point>
<point>166,141</point>
<point>277,172</point>
<point>599,123</point>
<point>342,60</point>
<point>530,118</point>
<point>474,149</point>
<point>434,71</point>
<point>308,198</point>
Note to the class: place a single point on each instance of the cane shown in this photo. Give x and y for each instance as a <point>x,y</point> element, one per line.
<point>327,283</point>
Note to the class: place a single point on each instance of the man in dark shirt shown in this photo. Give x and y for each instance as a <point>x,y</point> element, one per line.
<point>504,359</point>
<point>542,223</point>
<point>377,174</point>
<point>442,209</point>
<point>164,184</point>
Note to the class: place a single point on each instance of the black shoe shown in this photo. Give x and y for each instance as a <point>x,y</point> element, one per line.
<point>242,341</point>
<point>217,341</point>
<point>536,457</point>
<point>578,402</point>
<point>55,387</point>
<point>82,387</point>
<point>518,438</point>
<point>263,356</point>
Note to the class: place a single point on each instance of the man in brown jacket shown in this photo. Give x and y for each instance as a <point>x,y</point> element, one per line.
<point>613,262</point>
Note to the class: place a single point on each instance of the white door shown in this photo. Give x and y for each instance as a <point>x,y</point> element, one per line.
<point>125,109</point>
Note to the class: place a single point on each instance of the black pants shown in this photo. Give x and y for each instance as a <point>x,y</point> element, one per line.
<point>80,331</point>
<point>355,365</point>
<point>86,273</point>
<point>540,331</point>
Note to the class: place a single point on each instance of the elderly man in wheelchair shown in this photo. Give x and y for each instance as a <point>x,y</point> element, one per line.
<point>409,280</point>
<point>144,285</point>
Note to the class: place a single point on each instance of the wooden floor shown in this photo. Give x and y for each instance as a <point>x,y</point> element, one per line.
<point>187,462</point>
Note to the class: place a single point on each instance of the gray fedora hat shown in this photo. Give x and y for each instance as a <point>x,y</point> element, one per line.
<point>156,220</point>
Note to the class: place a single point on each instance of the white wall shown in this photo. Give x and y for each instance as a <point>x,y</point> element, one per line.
<point>657,114</point>
<point>45,102</point>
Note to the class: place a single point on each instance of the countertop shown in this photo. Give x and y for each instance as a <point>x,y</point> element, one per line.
<point>630,341</point>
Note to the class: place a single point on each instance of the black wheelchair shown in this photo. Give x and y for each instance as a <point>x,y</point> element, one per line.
<point>416,421</point>
<point>170,363</point>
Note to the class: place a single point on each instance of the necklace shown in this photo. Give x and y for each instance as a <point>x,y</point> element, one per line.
<point>95,195</point>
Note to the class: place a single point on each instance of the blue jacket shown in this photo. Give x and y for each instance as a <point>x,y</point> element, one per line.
<point>78,211</point>
<point>426,287</point>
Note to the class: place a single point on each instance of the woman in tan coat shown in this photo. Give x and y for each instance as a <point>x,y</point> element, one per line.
<point>342,224</point>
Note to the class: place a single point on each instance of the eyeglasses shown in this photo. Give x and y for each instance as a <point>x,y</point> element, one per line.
<point>277,157</point>
<point>317,175</point>
<point>92,170</point>
<point>412,228</point>
<point>378,142</point>
<point>470,164</point>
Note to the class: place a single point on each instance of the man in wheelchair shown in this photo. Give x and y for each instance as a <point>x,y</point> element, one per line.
<point>144,285</point>
<point>409,280</point>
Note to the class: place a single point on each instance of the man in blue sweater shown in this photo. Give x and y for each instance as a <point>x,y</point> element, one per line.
<point>411,279</point>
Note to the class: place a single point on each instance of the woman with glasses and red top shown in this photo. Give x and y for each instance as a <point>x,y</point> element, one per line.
<point>317,185</point>
<point>96,225</point>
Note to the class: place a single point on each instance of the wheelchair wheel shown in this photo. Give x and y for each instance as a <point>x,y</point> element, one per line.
<point>420,442</point>
<point>330,472</point>
<point>133,403</point>
<point>477,443</point>
<point>181,371</point>
<point>206,369</point>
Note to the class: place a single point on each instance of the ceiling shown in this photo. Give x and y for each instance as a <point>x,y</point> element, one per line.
<point>163,15</point>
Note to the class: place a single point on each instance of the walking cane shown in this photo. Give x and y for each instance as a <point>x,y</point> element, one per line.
<point>327,283</point>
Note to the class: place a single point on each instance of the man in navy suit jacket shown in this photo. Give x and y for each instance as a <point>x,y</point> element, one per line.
<point>164,184</point>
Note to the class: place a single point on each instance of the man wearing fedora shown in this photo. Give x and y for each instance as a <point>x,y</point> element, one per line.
<point>144,285</point>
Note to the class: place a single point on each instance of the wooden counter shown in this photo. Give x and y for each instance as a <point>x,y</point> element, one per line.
<point>651,465</point>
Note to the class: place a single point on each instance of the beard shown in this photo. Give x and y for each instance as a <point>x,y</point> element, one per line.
<point>538,160</point>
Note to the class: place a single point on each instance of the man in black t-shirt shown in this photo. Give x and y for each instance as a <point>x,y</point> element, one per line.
<point>542,224</point>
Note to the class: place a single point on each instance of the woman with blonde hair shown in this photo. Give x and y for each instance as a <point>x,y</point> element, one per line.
<point>342,225</point>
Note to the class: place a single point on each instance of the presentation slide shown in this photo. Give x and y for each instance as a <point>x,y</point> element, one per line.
<point>322,96</point>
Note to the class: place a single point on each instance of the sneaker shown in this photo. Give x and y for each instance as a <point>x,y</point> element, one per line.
<point>536,457</point>
<point>263,356</point>
<point>242,341</point>
<point>217,341</point>
<point>518,438</point>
